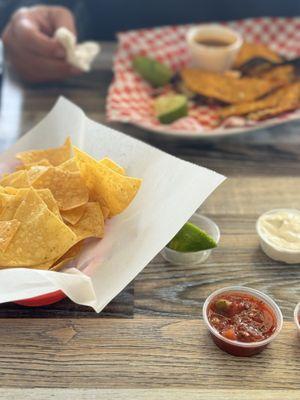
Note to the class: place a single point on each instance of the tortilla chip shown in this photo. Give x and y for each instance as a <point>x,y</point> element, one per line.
<point>47,197</point>
<point>8,230</point>
<point>109,188</point>
<point>283,74</point>
<point>105,212</point>
<point>91,224</point>
<point>70,255</point>
<point>7,178</point>
<point>74,215</point>
<point>58,266</point>
<point>44,266</point>
<point>10,203</point>
<point>272,112</point>
<point>112,165</point>
<point>55,156</point>
<point>70,165</point>
<point>73,251</point>
<point>41,236</point>
<point>41,163</point>
<point>252,50</point>
<point>288,95</point>
<point>10,190</point>
<point>15,179</point>
<point>68,188</point>
<point>21,181</point>
<point>34,172</point>
<point>5,175</point>
<point>227,89</point>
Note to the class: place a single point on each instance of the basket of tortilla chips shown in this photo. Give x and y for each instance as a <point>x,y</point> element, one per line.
<point>56,199</point>
<point>74,222</point>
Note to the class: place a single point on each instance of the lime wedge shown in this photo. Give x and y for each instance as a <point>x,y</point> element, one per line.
<point>152,71</point>
<point>170,107</point>
<point>191,238</point>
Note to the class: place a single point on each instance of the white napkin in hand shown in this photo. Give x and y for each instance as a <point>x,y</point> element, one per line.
<point>79,55</point>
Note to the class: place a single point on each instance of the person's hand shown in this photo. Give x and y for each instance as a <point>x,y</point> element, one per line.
<point>30,46</point>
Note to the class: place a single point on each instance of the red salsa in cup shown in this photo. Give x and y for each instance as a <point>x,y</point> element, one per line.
<point>241,317</point>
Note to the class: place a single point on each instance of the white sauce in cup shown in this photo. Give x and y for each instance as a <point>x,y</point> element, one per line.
<point>282,229</point>
<point>279,232</point>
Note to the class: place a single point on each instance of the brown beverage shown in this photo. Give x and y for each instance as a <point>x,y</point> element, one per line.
<point>213,42</point>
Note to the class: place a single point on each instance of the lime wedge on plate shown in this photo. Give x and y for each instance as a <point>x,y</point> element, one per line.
<point>191,238</point>
<point>170,107</point>
<point>152,71</point>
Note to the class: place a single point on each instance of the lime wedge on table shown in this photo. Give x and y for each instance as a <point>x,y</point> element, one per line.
<point>191,238</point>
<point>152,71</point>
<point>170,107</point>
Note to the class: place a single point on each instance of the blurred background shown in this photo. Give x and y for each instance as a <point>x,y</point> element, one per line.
<point>101,19</point>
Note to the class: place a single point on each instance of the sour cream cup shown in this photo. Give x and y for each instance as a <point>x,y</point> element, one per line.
<point>209,57</point>
<point>288,256</point>
<point>237,348</point>
<point>297,316</point>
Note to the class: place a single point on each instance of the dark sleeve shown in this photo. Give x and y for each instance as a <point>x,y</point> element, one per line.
<point>7,8</point>
<point>78,7</point>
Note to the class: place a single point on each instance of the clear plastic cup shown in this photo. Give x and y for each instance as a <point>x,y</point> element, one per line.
<point>236,348</point>
<point>297,316</point>
<point>195,257</point>
<point>277,253</point>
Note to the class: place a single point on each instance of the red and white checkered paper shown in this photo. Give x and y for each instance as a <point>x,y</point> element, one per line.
<point>130,98</point>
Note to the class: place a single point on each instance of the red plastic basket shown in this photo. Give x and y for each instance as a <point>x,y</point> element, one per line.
<point>43,300</point>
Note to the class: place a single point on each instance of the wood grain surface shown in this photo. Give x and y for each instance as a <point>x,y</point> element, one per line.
<point>146,394</point>
<point>151,342</point>
<point>137,353</point>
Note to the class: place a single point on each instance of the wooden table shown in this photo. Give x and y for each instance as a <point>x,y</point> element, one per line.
<point>150,342</point>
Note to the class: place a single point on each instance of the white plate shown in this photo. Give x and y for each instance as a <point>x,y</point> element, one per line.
<point>130,99</point>
<point>216,133</point>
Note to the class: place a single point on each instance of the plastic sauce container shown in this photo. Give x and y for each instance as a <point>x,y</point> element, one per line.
<point>197,257</point>
<point>235,347</point>
<point>213,47</point>
<point>275,245</point>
